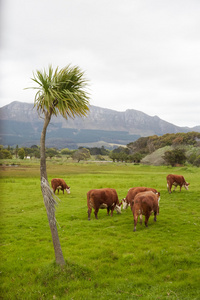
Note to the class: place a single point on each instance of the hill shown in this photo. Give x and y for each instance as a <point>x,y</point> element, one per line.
<point>21,125</point>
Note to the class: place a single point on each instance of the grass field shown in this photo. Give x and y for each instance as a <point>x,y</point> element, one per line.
<point>105,259</point>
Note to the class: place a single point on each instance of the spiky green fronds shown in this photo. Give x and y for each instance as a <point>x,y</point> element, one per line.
<point>61,91</point>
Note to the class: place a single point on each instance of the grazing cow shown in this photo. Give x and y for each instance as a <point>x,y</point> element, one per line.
<point>176,180</point>
<point>128,201</point>
<point>144,204</point>
<point>59,184</point>
<point>103,198</point>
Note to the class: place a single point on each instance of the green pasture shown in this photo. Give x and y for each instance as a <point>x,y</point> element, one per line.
<point>105,259</point>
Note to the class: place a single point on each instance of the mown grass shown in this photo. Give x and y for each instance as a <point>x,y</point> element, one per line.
<point>105,259</point>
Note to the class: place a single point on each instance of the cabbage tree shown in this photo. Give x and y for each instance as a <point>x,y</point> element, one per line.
<point>59,92</point>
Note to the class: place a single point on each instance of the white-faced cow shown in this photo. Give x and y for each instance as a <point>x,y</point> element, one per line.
<point>145,203</point>
<point>128,201</point>
<point>59,184</point>
<point>176,180</point>
<point>103,198</point>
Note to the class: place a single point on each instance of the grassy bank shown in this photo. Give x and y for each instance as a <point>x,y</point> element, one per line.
<point>105,259</point>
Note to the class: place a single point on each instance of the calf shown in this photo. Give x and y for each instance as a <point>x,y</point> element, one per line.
<point>176,180</point>
<point>59,184</point>
<point>102,198</point>
<point>128,201</point>
<point>144,204</point>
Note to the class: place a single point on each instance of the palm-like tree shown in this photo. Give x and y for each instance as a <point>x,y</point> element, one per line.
<point>58,92</point>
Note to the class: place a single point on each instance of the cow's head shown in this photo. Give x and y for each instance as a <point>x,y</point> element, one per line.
<point>68,190</point>
<point>125,203</point>
<point>186,185</point>
<point>118,209</point>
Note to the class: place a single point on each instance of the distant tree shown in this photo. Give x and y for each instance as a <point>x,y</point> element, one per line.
<point>197,161</point>
<point>104,151</point>
<point>113,156</point>
<point>122,156</point>
<point>51,152</point>
<point>176,156</point>
<point>192,158</point>
<point>98,151</point>
<point>66,151</point>
<point>81,154</point>
<point>5,154</point>
<point>58,92</point>
<point>178,141</point>
<point>121,149</point>
<point>36,153</point>
<point>100,157</point>
<point>136,157</point>
<point>21,153</point>
<point>16,150</point>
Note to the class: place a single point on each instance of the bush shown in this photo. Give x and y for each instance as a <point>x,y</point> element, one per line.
<point>21,153</point>
<point>197,161</point>
<point>5,154</point>
<point>81,154</point>
<point>176,156</point>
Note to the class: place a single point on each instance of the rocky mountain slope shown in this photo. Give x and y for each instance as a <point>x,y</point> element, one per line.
<point>20,124</point>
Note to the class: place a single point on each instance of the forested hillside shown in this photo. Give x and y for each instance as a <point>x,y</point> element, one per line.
<point>169,149</point>
<point>149,144</point>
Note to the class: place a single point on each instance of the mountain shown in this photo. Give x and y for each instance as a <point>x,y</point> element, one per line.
<point>21,125</point>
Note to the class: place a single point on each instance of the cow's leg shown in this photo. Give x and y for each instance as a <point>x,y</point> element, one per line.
<point>155,213</point>
<point>96,212</point>
<point>112,209</point>
<point>141,219</point>
<point>146,219</point>
<point>158,210</point>
<point>108,211</point>
<point>58,191</point>
<point>63,191</point>
<point>169,186</point>
<point>89,213</point>
<point>175,186</point>
<point>135,220</point>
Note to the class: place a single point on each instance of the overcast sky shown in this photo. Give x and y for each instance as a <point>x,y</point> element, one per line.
<point>137,54</point>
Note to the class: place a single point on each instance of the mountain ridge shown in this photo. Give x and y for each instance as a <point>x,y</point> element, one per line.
<point>20,120</point>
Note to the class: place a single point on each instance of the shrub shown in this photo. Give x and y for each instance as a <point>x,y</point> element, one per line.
<point>197,161</point>
<point>176,156</point>
<point>5,154</point>
<point>21,153</point>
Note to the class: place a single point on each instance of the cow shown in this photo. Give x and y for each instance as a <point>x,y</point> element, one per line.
<point>103,198</point>
<point>176,180</point>
<point>145,203</point>
<point>128,201</point>
<point>59,184</point>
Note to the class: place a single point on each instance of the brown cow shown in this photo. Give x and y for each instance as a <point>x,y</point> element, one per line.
<point>144,204</point>
<point>128,201</point>
<point>59,184</point>
<point>176,180</point>
<point>102,198</point>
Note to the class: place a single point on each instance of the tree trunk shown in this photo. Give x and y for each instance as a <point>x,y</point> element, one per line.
<point>49,201</point>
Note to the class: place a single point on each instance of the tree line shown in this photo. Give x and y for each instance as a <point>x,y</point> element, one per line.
<point>34,152</point>
<point>132,153</point>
